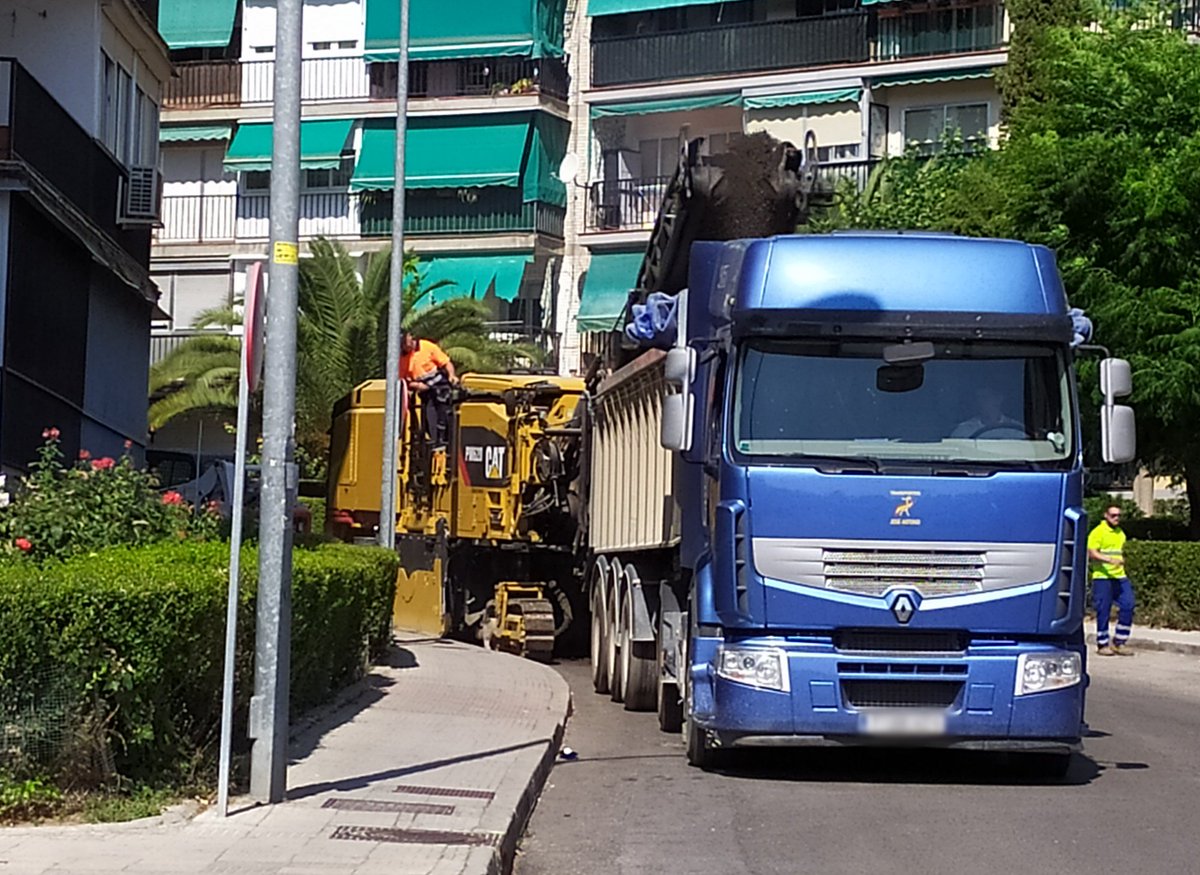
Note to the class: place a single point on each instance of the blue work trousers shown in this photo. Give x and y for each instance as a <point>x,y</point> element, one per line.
<point>1105,591</point>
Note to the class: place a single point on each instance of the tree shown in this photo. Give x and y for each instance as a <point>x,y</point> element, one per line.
<point>201,374</point>
<point>1021,78</point>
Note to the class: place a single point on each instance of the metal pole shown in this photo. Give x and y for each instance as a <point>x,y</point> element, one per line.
<point>391,401</point>
<point>235,551</point>
<point>272,645</point>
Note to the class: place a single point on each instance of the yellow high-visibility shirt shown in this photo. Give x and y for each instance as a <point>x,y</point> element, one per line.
<point>1110,541</point>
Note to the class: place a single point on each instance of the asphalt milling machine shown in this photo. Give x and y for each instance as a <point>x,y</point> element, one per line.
<point>494,545</point>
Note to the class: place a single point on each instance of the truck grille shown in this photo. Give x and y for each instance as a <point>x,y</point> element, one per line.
<point>889,641</point>
<point>900,694</point>
<point>931,573</point>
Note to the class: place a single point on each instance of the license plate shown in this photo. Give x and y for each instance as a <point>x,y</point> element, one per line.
<point>903,721</point>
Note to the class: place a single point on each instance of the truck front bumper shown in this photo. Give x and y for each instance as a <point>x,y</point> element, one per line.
<point>833,698</point>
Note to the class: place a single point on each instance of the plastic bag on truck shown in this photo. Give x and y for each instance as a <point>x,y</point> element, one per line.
<point>656,322</point>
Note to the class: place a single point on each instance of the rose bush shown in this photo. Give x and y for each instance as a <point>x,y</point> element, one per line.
<point>61,510</point>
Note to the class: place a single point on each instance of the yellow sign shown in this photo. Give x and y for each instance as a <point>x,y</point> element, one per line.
<point>286,253</point>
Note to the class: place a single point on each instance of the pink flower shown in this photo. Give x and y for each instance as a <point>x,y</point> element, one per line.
<point>51,433</point>
<point>24,545</point>
<point>172,498</point>
<point>102,464</point>
<point>84,455</point>
<point>128,444</point>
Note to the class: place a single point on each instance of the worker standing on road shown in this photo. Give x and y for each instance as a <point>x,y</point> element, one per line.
<point>428,371</point>
<point>1106,546</point>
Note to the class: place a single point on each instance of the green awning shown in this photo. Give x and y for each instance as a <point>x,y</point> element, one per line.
<point>193,133</point>
<point>322,142</point>
<point>930,77</point>
<point>610,279</point>
<point>774,101</point>
<point>467,151</point>
<point>670,104</point>
<point>473,29</point>
<point>471,276</point>
<point>196,24</point>
<point>617,7</point>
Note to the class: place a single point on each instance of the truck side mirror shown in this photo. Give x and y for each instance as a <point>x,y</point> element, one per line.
<point>1116,379</point>
<point>1118,433</point>
<point>678,411</point>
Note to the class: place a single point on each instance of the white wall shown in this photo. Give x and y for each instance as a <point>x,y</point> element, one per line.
<point>59,43</point>
<point>324,21</point>
<point>834,124</point>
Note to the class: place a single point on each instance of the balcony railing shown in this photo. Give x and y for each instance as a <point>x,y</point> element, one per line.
<point>202,84</point>
<point>633,204</point>
<point>225,218</point>
<point>943,30</point>
<point>740,48</point>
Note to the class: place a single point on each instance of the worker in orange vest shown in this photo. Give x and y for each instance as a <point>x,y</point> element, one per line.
<point>428,371</point>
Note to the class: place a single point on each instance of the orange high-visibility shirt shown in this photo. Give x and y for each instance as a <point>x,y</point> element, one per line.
<point>423,362</point>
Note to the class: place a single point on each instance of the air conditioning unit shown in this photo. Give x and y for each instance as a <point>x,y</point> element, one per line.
<point>140,196</point>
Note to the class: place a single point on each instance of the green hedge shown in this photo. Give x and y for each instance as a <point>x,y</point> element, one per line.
<point>111,665</point>
<point>1166,580</point>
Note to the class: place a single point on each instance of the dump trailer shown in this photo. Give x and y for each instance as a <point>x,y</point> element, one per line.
<point>845,507</point>
<point>493,529</point>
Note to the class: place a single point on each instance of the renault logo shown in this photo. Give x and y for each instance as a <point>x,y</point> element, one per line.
<point>903,608</point>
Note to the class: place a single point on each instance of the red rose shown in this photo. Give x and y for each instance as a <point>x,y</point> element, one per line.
<point>128,444</point>
<point>84,454</point>
<point>51,433</point>
<point>172,497</point>
<point>102,464</point>
<point>24,545</point>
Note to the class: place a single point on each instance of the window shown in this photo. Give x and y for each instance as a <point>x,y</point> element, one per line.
<point>263,50</point>
<point>322,46</point>
<point>256,180</point>
<point>842,152</point>
<point>659,157</point>
<point>108,108</point>
<point>925,128</point>
<point>335,178</point>
<point>121,140</point>
<point>347,44</point>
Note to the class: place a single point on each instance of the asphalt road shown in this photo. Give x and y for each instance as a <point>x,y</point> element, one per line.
<point>1131,803</point>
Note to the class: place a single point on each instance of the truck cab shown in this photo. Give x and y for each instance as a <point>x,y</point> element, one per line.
<point>880,473</point>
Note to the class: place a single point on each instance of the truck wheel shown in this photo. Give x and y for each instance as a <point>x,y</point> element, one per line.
<point>599,649</point>
<point>639,668</point>
<point>613,634</point>
<point>699,752</point>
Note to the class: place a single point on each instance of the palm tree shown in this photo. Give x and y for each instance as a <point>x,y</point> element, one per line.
<point>200,374</point>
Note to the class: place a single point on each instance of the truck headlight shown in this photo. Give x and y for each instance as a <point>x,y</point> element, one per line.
<point>755,666</point>
<point>1039,672</point>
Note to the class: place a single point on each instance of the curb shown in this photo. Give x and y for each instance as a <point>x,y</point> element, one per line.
<point>504,855</point>
<point>1183,647</point>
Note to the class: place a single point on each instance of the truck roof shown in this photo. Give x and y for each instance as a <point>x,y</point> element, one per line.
<point>883,271</point>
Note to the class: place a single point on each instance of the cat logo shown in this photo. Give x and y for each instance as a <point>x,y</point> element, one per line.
<point>493,465</point>
<point>902,511</point>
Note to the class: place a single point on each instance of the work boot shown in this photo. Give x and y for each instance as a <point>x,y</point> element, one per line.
<point>1122,650</point>
<point>1105,651</point>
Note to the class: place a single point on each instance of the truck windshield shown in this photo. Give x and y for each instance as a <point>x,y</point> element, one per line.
<point>992,404</point>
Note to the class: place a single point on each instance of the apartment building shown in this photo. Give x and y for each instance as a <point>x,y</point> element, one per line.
<point>487,131</point>
<point>868,77</point>
<point>80,88</point>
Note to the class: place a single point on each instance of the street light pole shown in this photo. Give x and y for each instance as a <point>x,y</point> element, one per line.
<point>391,402</point>
<point>272,643</point>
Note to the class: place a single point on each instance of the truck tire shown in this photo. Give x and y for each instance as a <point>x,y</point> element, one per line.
<point>599,633</point>
<point>699,752</point>
<point>639,667</point>
<point>612,615</point>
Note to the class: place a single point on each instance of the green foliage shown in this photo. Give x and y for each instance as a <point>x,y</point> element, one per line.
<point>60,511</point>
<point>131,642</point>
<point>27,799</point>
<point>199,374</point>
<point>1166,578</point>
<point>1022,78</point>
<point>1094,505</point>
<point>143,801</point>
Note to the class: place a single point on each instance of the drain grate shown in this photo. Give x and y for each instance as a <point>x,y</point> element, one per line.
<point>459,793</point>
<point>396,835</point>
<point>389,807</point>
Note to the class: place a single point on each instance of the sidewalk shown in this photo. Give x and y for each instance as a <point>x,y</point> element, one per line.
<point>428,767</point>
<point>1145,638</point>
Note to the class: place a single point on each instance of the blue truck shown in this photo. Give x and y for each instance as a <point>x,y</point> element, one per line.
<point>845,505</point>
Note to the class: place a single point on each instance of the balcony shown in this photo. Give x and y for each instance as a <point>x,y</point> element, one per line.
<point>944,30</point>
<point>633,204</point>
<point>738,48</point>
<point>231,218</point>
<point>232,83</point>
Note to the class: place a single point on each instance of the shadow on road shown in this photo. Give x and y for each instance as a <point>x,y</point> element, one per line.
<point>907,766</point>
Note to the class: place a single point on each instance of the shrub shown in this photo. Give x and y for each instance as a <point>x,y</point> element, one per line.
<point>112,664</point>
<point>60,511</point>
<point>1166,578</point>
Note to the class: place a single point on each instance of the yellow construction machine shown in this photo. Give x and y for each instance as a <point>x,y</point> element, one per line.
<point>485,534</point>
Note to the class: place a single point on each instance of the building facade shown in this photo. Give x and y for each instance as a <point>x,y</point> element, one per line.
<point>78,161</point>
<point>487,131</point>
<point>869,78</point>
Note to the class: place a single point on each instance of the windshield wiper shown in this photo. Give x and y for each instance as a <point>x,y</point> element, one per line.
<point>842,464</point>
